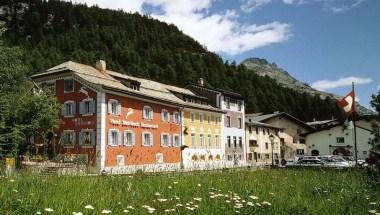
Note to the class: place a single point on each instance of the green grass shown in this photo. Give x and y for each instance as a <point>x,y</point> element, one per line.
<point>290,191</point>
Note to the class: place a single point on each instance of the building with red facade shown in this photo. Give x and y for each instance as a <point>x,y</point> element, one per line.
<point>114,122</point>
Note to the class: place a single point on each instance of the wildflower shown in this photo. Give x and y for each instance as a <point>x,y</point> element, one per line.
<point>175,182</point>
<point>190,208</point>
<point>271,194</point>
<point>14,190</point>
<point>372,203</point>
<point>19,200</point>
<point>38,212</point>
<point>106,212</point>
<point>170,187</point>
<point>130,207</point>
<point>151,210</point>
<point>49,210</point>
<point>162,200</point>
<point>250,204</point>
<point>238,212</point>
<point>90,207</point>
<point>372,211</point>
<point>253,197</point>
<point>198,199</point>
<point>199,185</point>
<point>157,194</point>
<point>258,204</point>
<point>266,203</point>
<point>11,180</point>
<point>228,201</point>
<point>126,211</point>
<point>179,205</point>
<point>77,213</point>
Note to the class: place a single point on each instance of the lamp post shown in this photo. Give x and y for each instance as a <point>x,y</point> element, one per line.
<point>271,138</point>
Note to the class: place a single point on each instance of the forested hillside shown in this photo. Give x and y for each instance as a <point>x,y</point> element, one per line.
<point>53,32</point>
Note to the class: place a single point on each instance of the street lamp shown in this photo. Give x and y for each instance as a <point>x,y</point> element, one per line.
<point>271,138</point>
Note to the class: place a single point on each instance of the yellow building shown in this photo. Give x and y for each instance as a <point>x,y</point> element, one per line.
<point>202,135</point>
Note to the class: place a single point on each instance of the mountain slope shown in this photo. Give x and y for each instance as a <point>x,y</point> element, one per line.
<point>263,68</point>
<point>52,32</point>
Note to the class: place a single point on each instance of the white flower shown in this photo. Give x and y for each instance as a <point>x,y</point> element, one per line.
<point>151,210</point>
<point>198,199</point>
<point>90,207</point>
<point>11,180</point>
<point>77,213</point>
<point>266,203</point>
<point>228,201</point>
<point>130,207</point>
<point>237,212</point>
<point>14,190</point>
<point>157,194</point>
<point>175,182</point>
<point>170,187</point>
<point>179,205</point>
<point>199,185</point>
<point>49,210</point>
<point>372,211</point>
<point>250,204</point>
<point>106,212</point>
<point>190,208</point>
<point>271,194</point>
<point>38,212</point>
<point>253,197</point>
<point>372,203</point>
<point>258,204</point>
<point>126,211</point>
<point>162,200</point>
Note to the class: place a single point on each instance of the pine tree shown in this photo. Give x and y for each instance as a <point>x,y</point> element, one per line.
<point>374,156</point>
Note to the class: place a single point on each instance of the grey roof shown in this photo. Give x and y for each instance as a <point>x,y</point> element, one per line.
<point>261,124</point>
<point>322,122</point>
<point>109,80</point>
<point>265,117</point>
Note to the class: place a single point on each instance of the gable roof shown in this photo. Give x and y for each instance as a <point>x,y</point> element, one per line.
<point>266,117</point>
<point>110,80</point>
<point>261,124</point>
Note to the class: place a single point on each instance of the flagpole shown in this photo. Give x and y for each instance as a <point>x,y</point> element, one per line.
<point>354,122</point>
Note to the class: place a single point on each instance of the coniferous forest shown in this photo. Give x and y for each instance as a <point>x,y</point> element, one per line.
<point>51,32</point>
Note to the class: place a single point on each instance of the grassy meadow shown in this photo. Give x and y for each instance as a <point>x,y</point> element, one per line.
<point>267,191</point>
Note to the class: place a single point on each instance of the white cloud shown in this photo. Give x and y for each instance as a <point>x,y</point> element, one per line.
<point>251,5</point>
<point>293,1</point>
<point>339,6</point>
<point>378,87</point>
<point>220,32</point>
<point>328,84</point>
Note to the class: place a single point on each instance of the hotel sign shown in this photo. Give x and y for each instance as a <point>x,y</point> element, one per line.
<point>132,124</point>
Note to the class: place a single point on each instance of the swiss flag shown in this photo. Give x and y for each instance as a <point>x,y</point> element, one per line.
<point>348,103</point>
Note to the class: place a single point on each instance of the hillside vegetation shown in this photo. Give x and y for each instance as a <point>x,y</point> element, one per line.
<point>53,32</point>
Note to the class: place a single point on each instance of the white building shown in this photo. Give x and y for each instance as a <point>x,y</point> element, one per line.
<point>338,139</point>
<point>259,143</point>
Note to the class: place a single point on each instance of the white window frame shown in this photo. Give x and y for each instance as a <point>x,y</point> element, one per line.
<point>64,132</point>
<point>150,117</point>
<point>176,119</point>
<point>89,113</point>
<point>117,160</point>
<point>162,140</point>
<point>159,158</point>
<point>174,140</point>
<point>92,133</point>
<point>209,143</point>
<point>117,106</point>
<point>72,108</point>
<point>110,136</point>
<point>125,138</point>
<point>68,79</point>
<point>163,111</point>
<point>143,136</point>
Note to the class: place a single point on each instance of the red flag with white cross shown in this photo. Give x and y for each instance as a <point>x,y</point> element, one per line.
<point>347,104</point>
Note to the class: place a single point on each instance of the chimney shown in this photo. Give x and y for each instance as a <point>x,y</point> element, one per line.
<point>101,65</point>
<point>200,82</point>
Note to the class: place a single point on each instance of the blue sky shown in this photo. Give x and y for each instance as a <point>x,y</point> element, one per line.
<point>325,43</point>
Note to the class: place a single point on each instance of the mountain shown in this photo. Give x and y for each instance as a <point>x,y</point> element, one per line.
<point>51,32</point>
<point>263,68</point>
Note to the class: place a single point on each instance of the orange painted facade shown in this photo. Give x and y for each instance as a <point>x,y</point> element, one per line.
<point>76,123</point>
<point>132,111</point>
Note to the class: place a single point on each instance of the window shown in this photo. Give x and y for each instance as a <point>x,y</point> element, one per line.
<point>147,139</point>
<point>129,138</point>
<point>263,131</point>
<point>299,131</point>
<point>268,131</point>
<point>300,152</point>
<point>159,158</point>
<point>228,121</point>
<point>252,143</point>
<point>120,160</point>
<point>239,105</point>
<point>216,120</point>
<point>165,140</point>
<point>114,107</point>
<point>240,142</point>
<point>113,137</point>
<point>364,152</point>
<point>165,116</point>
<point>87,138</point>
<point>228,105</point>
<point>208,119</point>
<point>68,85</point>
<point>176,140</point>
<point>176,117</point>
<point>68,109</point>
<point>340,139</point>
<point>68,138</point>
<point>235,142</point>
<point>201,140</point>
<point>147,113</point>
<point>266,146</point>
<point>193,141</point>
<point>257,130</point>
<point>266,156</point>
<point>250,129</point>
<point>229,141</point>
<point>217,141</point>
<point>302,141</point>
<point>87,107</point>
<point>229,157</point>
<point>200,117</point>
<point>240,123</point>
<point>192,117</point>
<point>209,141</point>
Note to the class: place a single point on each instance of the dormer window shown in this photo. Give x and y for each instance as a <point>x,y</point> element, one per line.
<point>147,113</point>
<point>68,85</point>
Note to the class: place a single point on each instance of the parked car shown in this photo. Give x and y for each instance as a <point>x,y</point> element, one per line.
<point>309,163</point>
<point>351,160</point>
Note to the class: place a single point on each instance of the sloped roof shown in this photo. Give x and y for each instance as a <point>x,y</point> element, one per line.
<point>108,80</point>
<point>261,124</point>
<point>265,117</point>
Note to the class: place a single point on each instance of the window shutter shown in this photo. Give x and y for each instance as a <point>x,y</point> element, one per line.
<point>93,140</point>
<point>63,138</point>
<point>92,106</point>
<point>109,107</point>
<point>142,139</point>
<point>125,138</point>
<point>81,138</point>
<point>74,138</point>
<point>109,137</point>
<point>151,139</point>
<point>118,108</point>
<point>81,108</point>
<point>63,110</point>
<point>162,140</point>
<point>133,138</point>
<point>74,108</point>
<point>119,139</point>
